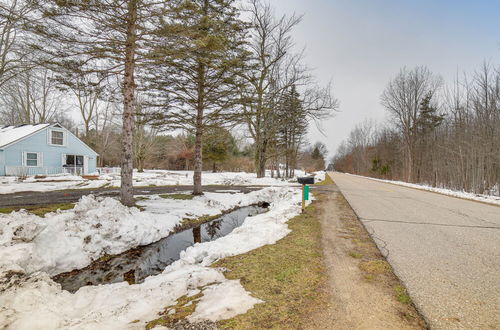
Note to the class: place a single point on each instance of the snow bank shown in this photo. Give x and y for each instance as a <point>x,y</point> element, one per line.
<point>71,239</point>
<point>455,193</point>
<point>31,300</point>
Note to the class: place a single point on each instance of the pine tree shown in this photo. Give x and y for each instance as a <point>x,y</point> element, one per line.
<point>201,54</point>
<point>218,146</point>
<point>428,116</point>
<point>99,38</point>
<point>293,124</point>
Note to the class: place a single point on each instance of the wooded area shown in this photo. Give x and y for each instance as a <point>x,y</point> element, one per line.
<point>444,136</point>
<point>138,70</point>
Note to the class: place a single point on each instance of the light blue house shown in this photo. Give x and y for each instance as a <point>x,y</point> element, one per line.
<point>43,149</point>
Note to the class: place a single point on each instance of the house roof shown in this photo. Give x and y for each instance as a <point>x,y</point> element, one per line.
<point>10,134</point>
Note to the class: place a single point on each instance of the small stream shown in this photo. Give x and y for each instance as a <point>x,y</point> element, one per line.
<point>136,264</point>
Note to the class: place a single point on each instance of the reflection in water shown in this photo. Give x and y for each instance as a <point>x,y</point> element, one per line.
<point>213,228</point>
<point>197,235</point>
<point>135,265</point>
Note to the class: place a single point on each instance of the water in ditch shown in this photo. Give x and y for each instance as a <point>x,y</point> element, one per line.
<point>136,264</point>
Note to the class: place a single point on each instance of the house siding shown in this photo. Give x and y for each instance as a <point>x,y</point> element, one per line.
<point>2,163</point>
<point>51,155</point>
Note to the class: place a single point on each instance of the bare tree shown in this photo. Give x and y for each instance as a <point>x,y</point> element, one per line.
<point>402,98</point>
<point>270,43</point>
<point>31,97</point>
<point>15,58</point>
<point>275,69</point>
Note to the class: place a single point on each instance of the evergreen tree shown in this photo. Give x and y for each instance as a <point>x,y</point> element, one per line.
<point>218,146</point>
<point>103,38</point>
<point>293,124</point>
<point>201,54</point>
<point>428,117</point>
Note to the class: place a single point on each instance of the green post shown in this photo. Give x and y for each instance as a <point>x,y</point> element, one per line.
<point>306,192</point>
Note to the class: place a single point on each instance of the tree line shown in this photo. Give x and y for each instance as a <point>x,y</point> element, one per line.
<point>155,67</point>
<point>441,135</point>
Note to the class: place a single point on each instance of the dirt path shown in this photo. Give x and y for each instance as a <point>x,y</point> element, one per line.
<point>365,292</point>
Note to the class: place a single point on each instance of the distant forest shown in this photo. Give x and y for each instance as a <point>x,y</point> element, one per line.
<point>444,136</point>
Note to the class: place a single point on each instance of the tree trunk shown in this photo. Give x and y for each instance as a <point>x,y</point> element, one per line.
<point>214,168</point>
<point>260,161</point>
<point>260,157</point>
<point>127,166</point>
<point>140,165</point>
<point>198,160</point>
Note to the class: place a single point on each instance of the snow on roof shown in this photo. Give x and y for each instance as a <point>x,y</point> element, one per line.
<point>9,134</point>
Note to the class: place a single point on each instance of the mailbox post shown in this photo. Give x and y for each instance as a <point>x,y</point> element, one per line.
<point>305,181</point>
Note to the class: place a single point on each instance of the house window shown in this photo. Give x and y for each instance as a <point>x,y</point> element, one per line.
<point>32,159</point>
<point>74,160</point>
<point>57,138</point>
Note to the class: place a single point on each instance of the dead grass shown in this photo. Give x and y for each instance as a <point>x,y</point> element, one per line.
<point>184,307</point>
<point>327,180</point>
<point>177,196</point>
<point>356,255</point>
<point>375,266</point>
<point>40,210</point>
<point>289,276</point>
<point>401,295</point>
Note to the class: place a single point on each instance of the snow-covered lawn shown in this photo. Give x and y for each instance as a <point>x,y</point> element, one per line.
<point>147,178</point>
<point>32,249</point>
<point>455,193</point>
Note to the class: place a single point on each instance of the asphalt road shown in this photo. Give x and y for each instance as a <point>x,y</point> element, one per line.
<point>73,195</point>
<point>446,250</point>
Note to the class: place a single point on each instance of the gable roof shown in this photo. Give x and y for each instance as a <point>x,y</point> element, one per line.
<point>10,134</point>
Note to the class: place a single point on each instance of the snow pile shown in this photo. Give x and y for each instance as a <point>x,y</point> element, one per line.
<point>223,301</point>
<point>34,301</point>
<point>72,239</point>
<point>455,193</point>
<point>319,176</point>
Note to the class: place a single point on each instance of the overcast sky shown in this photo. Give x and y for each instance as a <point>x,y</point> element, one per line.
<point>362,44</point>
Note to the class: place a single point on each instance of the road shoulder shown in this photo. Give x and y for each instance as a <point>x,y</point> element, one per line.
<point>365,292</point>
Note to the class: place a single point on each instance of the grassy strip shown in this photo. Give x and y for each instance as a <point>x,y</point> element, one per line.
<point>177,196</point>
<point>289,276</point>
<point>39,210</point>
<point>327,180</point>
<point>184,307</point>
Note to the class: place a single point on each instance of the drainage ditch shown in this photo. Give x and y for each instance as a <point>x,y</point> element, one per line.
<point>136,264</point>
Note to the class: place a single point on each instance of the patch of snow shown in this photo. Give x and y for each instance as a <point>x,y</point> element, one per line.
<point>9,134</point>
<point>319,176</point>
<point>34,301</point>
<point>455,193</point>
<point>223,301</point>
<point>55,177</point>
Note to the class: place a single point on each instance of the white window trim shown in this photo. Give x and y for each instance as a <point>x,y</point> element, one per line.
<point>49,137</point>
<point>39,159</point>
